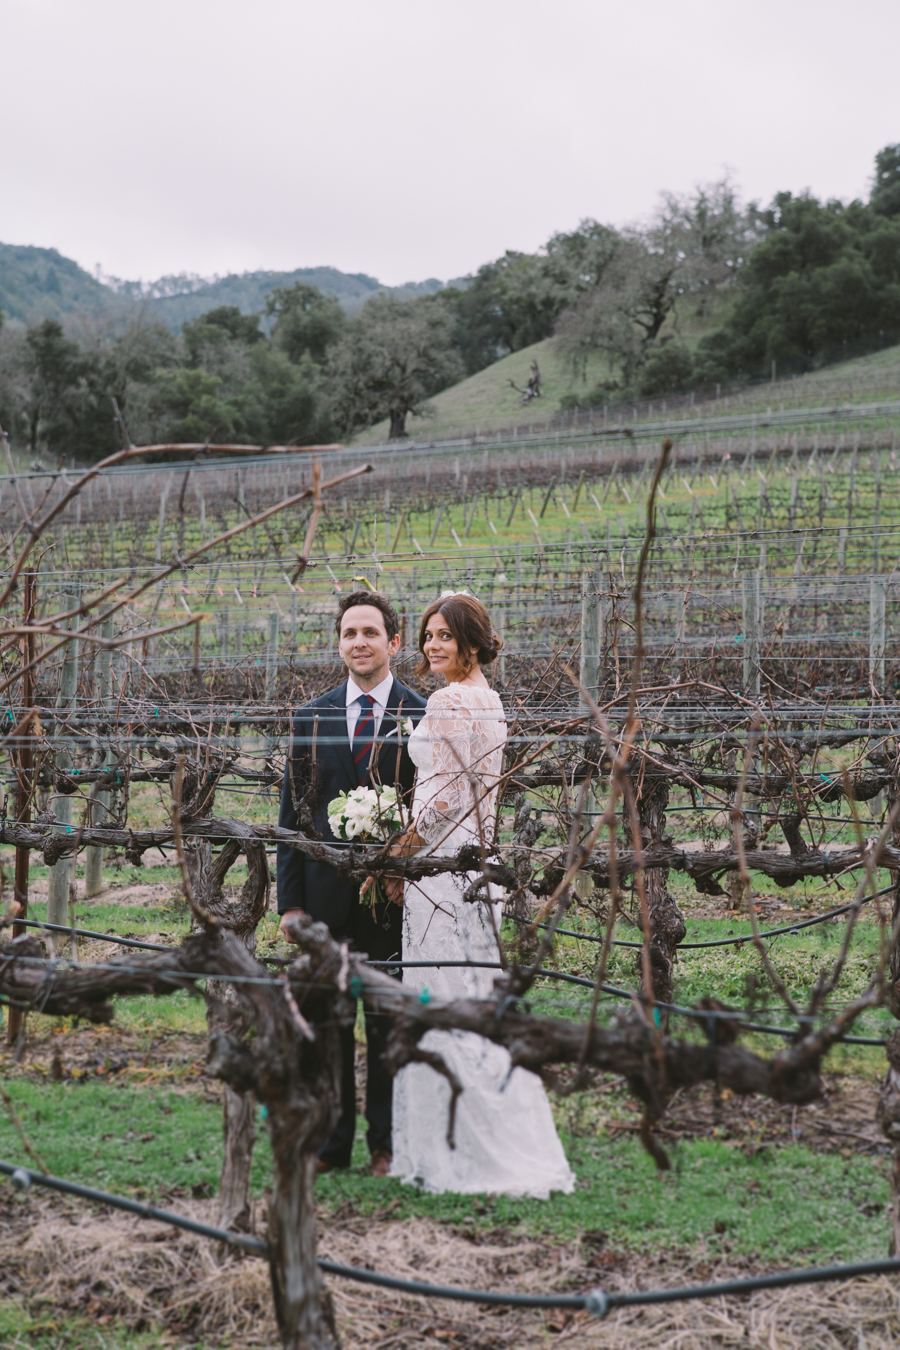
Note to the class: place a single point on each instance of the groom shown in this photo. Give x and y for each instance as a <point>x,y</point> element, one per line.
<point>350,737</point>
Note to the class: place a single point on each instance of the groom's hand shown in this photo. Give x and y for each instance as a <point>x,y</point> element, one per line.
<point>285,926</point>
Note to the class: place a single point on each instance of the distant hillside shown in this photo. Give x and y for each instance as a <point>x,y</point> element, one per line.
<point>39,283</point>
<point>248,291</point>
<point>486,401</point>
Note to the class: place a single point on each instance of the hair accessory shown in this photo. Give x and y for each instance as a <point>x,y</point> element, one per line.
<point>444,594</point>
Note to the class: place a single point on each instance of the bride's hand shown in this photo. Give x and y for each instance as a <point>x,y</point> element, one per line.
<point>393,889</point>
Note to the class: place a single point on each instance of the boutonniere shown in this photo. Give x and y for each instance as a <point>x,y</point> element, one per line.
<point>408,726</point>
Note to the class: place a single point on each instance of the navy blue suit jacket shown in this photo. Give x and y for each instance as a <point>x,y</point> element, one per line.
<point>321,763</point>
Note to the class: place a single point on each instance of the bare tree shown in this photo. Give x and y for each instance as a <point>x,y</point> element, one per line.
<point>691,249</point>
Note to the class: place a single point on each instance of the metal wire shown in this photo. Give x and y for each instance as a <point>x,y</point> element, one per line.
<point>542,971</point>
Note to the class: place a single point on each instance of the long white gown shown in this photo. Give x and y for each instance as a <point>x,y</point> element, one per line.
<point>506,1142</point>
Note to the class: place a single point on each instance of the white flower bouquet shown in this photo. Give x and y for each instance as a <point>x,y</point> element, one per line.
<point>366,814</point>
<point>369,815</point>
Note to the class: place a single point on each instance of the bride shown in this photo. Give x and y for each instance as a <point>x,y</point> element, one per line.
<point>505,1139</point>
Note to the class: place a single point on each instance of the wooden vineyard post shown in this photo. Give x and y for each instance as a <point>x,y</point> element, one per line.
<point>93,864</point>
<point>589,677</point>
<point>876,523</point>
<point>272,676</point>
<point>24,771</point>
<point>752,605</point>
<point>592,634</point>
<point>272,658</point>
<point>58,888</point>
<point>877,630</point>
<point>752,596</point>
<point>500,619</point>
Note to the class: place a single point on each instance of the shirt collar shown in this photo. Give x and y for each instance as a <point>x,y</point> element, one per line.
<point>380,694</point>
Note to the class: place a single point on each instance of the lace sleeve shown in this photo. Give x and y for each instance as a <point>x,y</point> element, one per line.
<point>448,725</point>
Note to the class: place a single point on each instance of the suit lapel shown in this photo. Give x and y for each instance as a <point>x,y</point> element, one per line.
<point>337,731</point>
<point>388,740</point>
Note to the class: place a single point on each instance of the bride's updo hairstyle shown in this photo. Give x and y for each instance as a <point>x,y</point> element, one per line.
<point>470,624</point>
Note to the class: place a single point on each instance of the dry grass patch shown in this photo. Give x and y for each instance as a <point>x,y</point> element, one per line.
<point>145,1276</point>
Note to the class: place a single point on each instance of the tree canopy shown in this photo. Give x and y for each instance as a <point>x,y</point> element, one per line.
<point>798,283</point>
<point>307,323</point>
<point>823,284</point>
<point>392,358</point>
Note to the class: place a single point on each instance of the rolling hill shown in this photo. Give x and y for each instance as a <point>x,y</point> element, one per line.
<point>39,283</point>
<point>485,401</point>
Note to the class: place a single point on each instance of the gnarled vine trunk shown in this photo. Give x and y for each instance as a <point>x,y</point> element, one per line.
<point>667,927</point>
<point>242,916</point>
<point>293,1066</point>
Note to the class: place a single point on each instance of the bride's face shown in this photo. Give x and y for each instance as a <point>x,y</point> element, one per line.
<point>442,650</point>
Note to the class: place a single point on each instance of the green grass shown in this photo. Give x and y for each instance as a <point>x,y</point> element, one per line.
<point>181,1011</point>
<point>97,1133</point>
<point>485,401</point>
<point>783,1205</point>
<point>22,1329</point>
<point>798,957</point>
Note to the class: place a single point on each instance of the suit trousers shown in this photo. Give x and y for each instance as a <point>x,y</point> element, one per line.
<point>380,937</point>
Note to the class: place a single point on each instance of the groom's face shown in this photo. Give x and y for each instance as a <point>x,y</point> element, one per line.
<point>365,647</point>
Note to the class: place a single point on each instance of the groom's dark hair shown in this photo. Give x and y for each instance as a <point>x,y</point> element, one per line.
<point>377,601</point>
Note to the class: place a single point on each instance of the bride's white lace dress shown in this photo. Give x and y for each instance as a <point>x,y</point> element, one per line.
<point>506,1141</point>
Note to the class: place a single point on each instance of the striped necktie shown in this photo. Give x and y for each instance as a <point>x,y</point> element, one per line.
<point>364,737</point>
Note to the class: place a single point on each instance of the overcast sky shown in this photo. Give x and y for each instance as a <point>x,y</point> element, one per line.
<point>416,138</point>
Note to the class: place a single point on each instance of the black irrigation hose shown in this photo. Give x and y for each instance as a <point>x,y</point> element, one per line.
<point>563,932</point>
<point>89,933</point>
<point>780,1279</point>
<point>23,1178</point>
<point>597,1302</point>
<point>716,942</point>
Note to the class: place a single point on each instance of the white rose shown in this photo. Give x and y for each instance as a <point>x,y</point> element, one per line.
<point>408,727</point>
<point>352,828</point>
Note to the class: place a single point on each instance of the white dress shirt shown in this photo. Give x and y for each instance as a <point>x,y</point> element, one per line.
<point>379,695</point>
